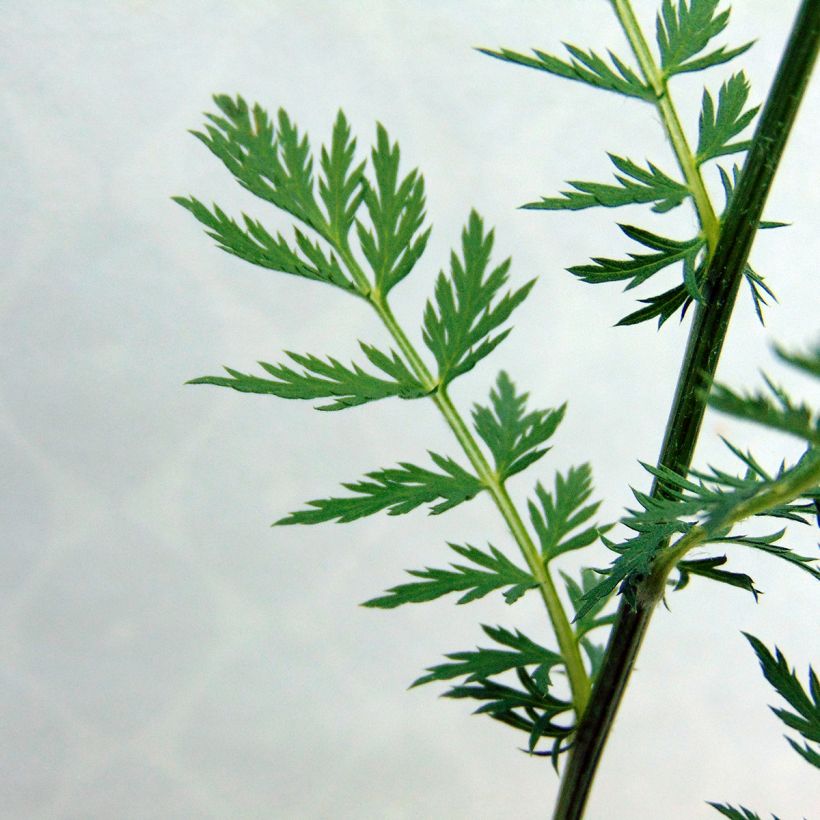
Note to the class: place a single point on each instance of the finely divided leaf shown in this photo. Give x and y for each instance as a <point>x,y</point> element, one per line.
<point>491,571</point>
<point>640,267</point>
<point>341,184</point>
<point>559,514</point>
<point>685,28</point>
<point>776,410</point>
<point>767,544</point>
<point>254,244</point>
<point>348,386</point>
<point>397,490</point>
<point>805,718</point>
<point>636,186</point>
<point>708,568</point>
<point>458,328</point>
<point>513,435</point>
<point>585,66</point>
<point>633,564</point>
<point>719,127</point>
<point>396,208</point>
<point>272,162</point>
<point>807,362</point>
<point>481,663</point>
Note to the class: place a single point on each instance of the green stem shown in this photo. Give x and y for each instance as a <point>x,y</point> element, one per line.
<point>657,81</point>
<point>578,678</point>
<point>576,672</point>
<point>723,277</point>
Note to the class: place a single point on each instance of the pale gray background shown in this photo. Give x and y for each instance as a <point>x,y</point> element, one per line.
<point>165,653</point>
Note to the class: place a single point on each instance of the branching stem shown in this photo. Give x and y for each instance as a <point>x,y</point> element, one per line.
<point>657,81</point>
<point>576,672</point>
<point>706,337</point>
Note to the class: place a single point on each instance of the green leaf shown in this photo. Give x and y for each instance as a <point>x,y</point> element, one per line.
<point>766,543</point>
<point>396,208</point>
<point>481,663</point>
<point>807,362</point>
<point>557,515</point>
<point>274,163</point>
<point>529,709</point>
<point>348,386</point>
<point>718,128</point>
<point>584,66</point>
<point>708,568</point>
<point>736,814</point>
<point>591,618</point>
<point>684,29</point>
<point>664,305</point>
<point>636,185</point>
<point>254,244</point>
<point>711,496</point>
<point>341,184</point>
<point>805,718</point>
<point>398,490</point>
<point>633,565</point>
<point>513,435</point>
<point>776,410</point>
<point>639,267</point>
<point>498,572</point>
<point>458,328</point>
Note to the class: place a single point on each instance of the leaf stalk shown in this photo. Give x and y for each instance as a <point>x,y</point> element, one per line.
<point>576,671</point>
<point>657,81</point>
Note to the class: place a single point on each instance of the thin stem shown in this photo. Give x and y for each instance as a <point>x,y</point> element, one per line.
<point>578,678</point>
<point>706,337</point>
<point>657,81</point>
<point>576,672</point>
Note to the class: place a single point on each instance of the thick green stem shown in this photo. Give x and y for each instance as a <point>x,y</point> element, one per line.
<point>576,672</point>
<point>655,78</point>
<point>703,349</point>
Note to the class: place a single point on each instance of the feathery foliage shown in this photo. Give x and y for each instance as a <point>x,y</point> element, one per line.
<point>458,328</point>
<point>684,29</point>
<point>490,571</point>
<point>559,514</point>
<point>583,66</point>
<point>717,127</point>
<point>468,316</point>
<point>396,208</point>
<point>479,664</point>
<point>805,718</point>
<point>511,433</point>
<point>636,186</point>
<point>348,386</point>
<point>398,490</point>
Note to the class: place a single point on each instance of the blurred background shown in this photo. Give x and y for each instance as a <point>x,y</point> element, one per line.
<point>165,652</point>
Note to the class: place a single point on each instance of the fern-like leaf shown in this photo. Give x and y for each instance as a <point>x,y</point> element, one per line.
<point>459,327</point>
<point>398,490</point>
<point>717,127</point>
<point>490,571</point>
<point>584,66</point>
<point>685,28</point>
<point>635,186</point>
<point>561,512</point>
<point>348,386</point>
<point>396,209</point>
<point>805,718</point>
<point>513,435</point>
